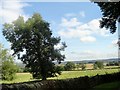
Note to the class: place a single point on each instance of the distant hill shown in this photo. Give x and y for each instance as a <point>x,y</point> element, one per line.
<point>20,64</point>
<point>92,61</point>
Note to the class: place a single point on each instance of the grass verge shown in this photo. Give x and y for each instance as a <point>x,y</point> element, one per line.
<point>108,86</point>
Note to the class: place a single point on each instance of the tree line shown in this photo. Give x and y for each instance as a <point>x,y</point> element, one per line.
<point>83,66</point>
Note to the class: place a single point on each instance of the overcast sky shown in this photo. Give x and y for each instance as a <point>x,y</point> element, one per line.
<point>77,23</point>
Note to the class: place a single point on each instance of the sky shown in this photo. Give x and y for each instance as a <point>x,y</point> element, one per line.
<point>77,23</point>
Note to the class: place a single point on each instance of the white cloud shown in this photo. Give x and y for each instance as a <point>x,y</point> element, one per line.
<point>58,46</point>
<point>101,55</point>
<point>90,55</point>
<point>88,39</point>
<point>70,15</point>
<point>115,42</point>
<point>94,26</point>
<point>72,33</point>
<point>10,10</point>
<point>80,14</point>
<point>86,32</point>
<point>73,22</point>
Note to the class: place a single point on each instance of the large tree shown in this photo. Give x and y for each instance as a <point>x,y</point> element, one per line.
<point>34,38</point>
<point>111,14</point>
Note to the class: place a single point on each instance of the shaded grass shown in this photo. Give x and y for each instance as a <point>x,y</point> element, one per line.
<point>108,86</point>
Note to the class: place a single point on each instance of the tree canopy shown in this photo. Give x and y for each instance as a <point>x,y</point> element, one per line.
<point>111,14</point>
<point>34,38</point>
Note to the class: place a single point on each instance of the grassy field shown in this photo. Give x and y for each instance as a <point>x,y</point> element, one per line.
<point>75,74</point>
<point>20,77</point>
<point>24,77</point>
<point>111,67</point>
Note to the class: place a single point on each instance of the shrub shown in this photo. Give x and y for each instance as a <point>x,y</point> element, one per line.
<point>83,66</point>
<point>59,69</point>
<point>8,68</point>
<point>69,66</point>
<point>98,64</point>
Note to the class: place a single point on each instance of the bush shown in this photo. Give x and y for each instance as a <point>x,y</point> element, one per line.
<point>98,64</point>
<point>95,66</point>
<point>83,66</point>
<point>8,68</point>
<point>59,69</point>
<point>69,66</point>
<point>26,69</point>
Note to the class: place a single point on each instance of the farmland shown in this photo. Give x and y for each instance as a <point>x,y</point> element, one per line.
<point>24,77</point>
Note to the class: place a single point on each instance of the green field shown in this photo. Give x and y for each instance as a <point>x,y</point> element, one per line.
<point>24,77</point>
<point>75,74</point>
<point>20,77</point>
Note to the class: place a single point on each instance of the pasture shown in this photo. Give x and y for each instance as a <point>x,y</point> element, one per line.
<point>20,77</point>
<point>24,77</point>
<point>75,74</point>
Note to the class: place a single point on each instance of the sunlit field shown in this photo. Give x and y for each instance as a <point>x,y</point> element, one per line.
<point>24,77</point>
<point>20,77</point>
<point>75,74</point>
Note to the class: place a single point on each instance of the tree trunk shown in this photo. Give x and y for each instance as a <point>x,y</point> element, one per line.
<point>43,72</point>
<point>44,78</point>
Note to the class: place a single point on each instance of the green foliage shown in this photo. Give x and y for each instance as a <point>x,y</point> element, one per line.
<point>113,63</point>
<point>69,66</point>
<point>34,37</point>
<point>118,63</point>
<point>26,69</point>
<point>98,64</point>
<point>110,12</point>
<point>61,67</point>
<point>21,67</point>
<point>83,66</point>
<point>8,67</point>
<point>58,70</point>
<point>78,66</point>
<point>8,70</point>
<point>95,66</point>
